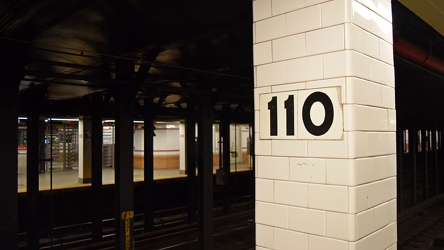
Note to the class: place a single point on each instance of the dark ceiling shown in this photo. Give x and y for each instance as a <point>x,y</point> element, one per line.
<point>177,50</point>
<point>418,88</point>
<point>174,52</point>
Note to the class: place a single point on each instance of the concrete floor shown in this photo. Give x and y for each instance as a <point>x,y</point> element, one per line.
<point>70,178</point>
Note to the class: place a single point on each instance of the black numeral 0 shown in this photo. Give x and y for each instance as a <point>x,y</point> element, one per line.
<point>272,106</point>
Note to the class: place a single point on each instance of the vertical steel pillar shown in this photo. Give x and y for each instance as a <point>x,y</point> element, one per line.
<point>11,73</point>
<point>226,164</point>
<point>96,171</point>
<point>33,97</point>
<point>205,173</point>
<point>190,137</point>
<point>414,135</point>
<point>148,163</point>
<point>32,175</point>
<point>399,154</point>
<point>124,160</point>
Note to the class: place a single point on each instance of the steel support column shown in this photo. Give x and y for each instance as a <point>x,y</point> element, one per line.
<point>11,72</point>
<point>190,141</point>
<point>32,175</point>
<point>205,173</point>
<point>124,161</point>
<point>226,164</point>
<point>33,97</point>
<point>96,172</point>
<point>148,163</point>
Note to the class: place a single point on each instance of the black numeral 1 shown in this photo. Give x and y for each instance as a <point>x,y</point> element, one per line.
<point>272,106</point>
<point>289,106</point>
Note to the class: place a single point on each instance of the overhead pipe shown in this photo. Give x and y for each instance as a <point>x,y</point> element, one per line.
<point>417,55</point>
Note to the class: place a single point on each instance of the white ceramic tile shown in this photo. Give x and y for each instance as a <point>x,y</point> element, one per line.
<point>307,220</point>
<point>328,149</point>
<point>365,223</point>
<point>264,190</point>
<point>371,4</point>
<point>304,69</point>
<point>262,248</point>
<point>381,216</point>
<point>381,27</point>
<point>303,20</point>
<point>365,196</point>
<point>262,147</point>
<point>257,92</point>
<point>276,168</point>
<point>308,170</point>
<point>289,47</point>
<point>375,194</point>
<point>381,168</point>
<point>334,12</point>
<point>341,226</point>
<point>376,144</point>
<point>328,197</point>
<point>361,15</point>
<point>360,65</point>
<point>289,87</point>
<point>313,2</point>
<point>291,193</point>
<point>262,53</point>
<point>333,82</point>
<point>270,28</point>
<point>391,114</point>
<point>254,33</point>
<point>390,235</point>
<point>385,9</point>
<point>386,52</point>
<point>289,240</point>
<point>336,64</point>
<point>389,188</point>
<point>283,6</point>
<point>383,73</point>
<point>325,83</point>
<point>354,37</point>
<point>370,242</point>
<point>357,144</point>
<point>366,169</point>
<point>264,236</point>
<point>255,169</point>
<point>325,40</point>
<point>393,247</point>
<point>289,148</point>
<point>261,9</point>
<point>272,214</point>
<point>317,243</point>
<point>359,91</point>
<point>340,172</point>
<point>271,74</point>
<point>381,143</point>
<point>371,44</point>
<point>392,165</point>
<point>392,211</point>
<point>365,118</point>
<point>388,97</point>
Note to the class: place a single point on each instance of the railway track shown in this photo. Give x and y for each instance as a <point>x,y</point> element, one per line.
<point>424,229</point>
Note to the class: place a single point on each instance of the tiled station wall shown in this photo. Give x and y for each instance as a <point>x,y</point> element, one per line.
<point>327,194</point>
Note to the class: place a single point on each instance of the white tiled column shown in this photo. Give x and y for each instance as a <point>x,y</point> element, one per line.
<point>85,149</point>
<point>321,193</point>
